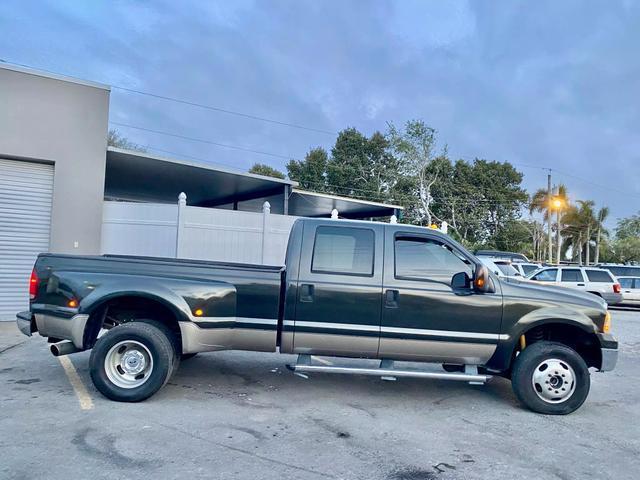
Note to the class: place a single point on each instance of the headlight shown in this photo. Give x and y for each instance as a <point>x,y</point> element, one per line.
<point>606,327</point>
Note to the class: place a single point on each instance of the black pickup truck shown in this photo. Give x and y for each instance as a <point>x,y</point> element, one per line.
<point>385,292</point>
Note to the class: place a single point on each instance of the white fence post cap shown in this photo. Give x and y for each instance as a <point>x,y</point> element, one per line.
<point>334,214</point>
<point>182,198</point>
<point>393,219</point>
<point>266,207</point>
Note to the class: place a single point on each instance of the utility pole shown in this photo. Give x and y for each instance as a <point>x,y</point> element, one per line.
<point>558,238</point>
<point>549,240</point>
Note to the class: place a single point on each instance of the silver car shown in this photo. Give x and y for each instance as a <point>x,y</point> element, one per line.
<point>630,289</point>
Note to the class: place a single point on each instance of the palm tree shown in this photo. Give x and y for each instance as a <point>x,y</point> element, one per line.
<point>602,215</point>
<point>541,202</point>
<point>579,224</point>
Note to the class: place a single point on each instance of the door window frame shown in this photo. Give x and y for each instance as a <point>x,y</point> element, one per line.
<point>349,274</point>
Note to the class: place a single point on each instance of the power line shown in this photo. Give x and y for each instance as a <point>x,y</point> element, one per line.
<point>192,103</point>
<point>200,140</point>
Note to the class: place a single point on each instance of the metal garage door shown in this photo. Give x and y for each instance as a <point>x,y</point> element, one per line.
<point>26,190</point>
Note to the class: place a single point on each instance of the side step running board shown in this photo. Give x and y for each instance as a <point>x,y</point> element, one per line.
<point>387,371</point>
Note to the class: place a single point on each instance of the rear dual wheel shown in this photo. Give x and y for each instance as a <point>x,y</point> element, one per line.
<point>550,378</point>
<point>133,361</point>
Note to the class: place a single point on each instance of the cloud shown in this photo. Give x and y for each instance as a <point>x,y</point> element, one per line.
<point>547,84</point>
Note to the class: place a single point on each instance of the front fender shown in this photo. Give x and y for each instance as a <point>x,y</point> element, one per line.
<point>501,359</point>
<point>554,314</point>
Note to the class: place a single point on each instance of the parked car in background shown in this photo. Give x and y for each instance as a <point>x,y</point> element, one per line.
<point>526,268</point>
<point>622,270</point>
<point>630,290</point>
<point>502,268</point>
<point>594,280</point>
<point>514,257</point>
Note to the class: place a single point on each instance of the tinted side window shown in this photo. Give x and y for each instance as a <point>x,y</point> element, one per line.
<point>599,276</point>
<point>546,275</point>
<point>571,275</point>
<point>422,258</point>
<point>626,282</point>
<point>622,271</point>
<point>527,269</point>
<point>343,250</point>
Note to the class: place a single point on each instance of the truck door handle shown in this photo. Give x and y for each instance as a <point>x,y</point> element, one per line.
<point>391,298</point>
<point>581,285</point>
<point>306,292</point>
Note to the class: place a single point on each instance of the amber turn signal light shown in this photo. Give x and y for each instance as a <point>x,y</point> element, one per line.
<point>73,303</point>
<point>198,312</point>
<point>606,326</point>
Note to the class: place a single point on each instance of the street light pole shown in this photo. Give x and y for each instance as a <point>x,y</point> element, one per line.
<point>558,234</point>
<point>549,240</point>
<point>557,204</point>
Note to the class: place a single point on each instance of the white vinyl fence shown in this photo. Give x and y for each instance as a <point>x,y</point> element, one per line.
<point>181,231</point>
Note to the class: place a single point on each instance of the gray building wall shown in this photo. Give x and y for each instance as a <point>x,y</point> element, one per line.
<point>63,121</point>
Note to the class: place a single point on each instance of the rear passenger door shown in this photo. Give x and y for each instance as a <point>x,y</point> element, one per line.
<point>339,290</point>
<point>572,277</point>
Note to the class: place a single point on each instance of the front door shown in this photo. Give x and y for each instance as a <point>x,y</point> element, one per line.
<point>423,318</point>
<point>339,290</point>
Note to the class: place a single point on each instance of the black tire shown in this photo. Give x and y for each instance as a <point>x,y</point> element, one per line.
<point>187,356</point>
<point>451,368</point>
<point>157,342</point>
<point>566,360</point>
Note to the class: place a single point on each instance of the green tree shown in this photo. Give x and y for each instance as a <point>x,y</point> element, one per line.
<point>361,166</point>
<point>115,139</point>
<point>540,202</point>
<point>266,170</point>
<point>628,227</point>
<point>414,146</point>
<point>477,199</point>
<point>518,236</point>
<point>310,173</point>
<point>627,249</point>
<point>578,227</point>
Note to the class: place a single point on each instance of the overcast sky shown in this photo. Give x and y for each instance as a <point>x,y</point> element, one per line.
<point>540,84</point>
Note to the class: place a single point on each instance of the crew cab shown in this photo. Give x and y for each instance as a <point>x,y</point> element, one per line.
<point>387,293</point>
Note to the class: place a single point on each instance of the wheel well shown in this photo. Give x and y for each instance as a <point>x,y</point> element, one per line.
<point>129,309</point>
<point>585,343</point>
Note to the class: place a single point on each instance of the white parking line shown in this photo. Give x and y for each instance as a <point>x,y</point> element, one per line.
<point>81,391</point>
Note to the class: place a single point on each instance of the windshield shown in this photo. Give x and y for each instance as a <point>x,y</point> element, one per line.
<point>508,270</point>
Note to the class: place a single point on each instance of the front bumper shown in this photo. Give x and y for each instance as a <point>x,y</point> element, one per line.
<point>53,326</point>
<point>609,352</point>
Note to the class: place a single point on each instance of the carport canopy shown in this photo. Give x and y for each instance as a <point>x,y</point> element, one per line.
<point>144,177</point>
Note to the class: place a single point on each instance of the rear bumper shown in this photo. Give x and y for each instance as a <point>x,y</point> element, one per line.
<point>609,351</point>
<point>26,323</point>
<point>612,298</point>
<point>61,328</point>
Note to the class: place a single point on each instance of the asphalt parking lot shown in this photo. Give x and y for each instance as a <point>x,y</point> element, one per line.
<point>243,415</point>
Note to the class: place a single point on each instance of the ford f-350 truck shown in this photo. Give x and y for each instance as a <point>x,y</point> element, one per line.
<point>383,292</point>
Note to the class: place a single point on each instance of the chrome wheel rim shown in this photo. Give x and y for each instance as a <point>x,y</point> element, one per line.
<point>128,364</point>
<point>554,381</point>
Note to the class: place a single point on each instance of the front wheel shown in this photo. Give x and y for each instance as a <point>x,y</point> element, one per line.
<point>550,378</point>
<point>132,361</point>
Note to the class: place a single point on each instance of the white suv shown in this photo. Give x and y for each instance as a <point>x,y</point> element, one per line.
<point>590,279</point>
